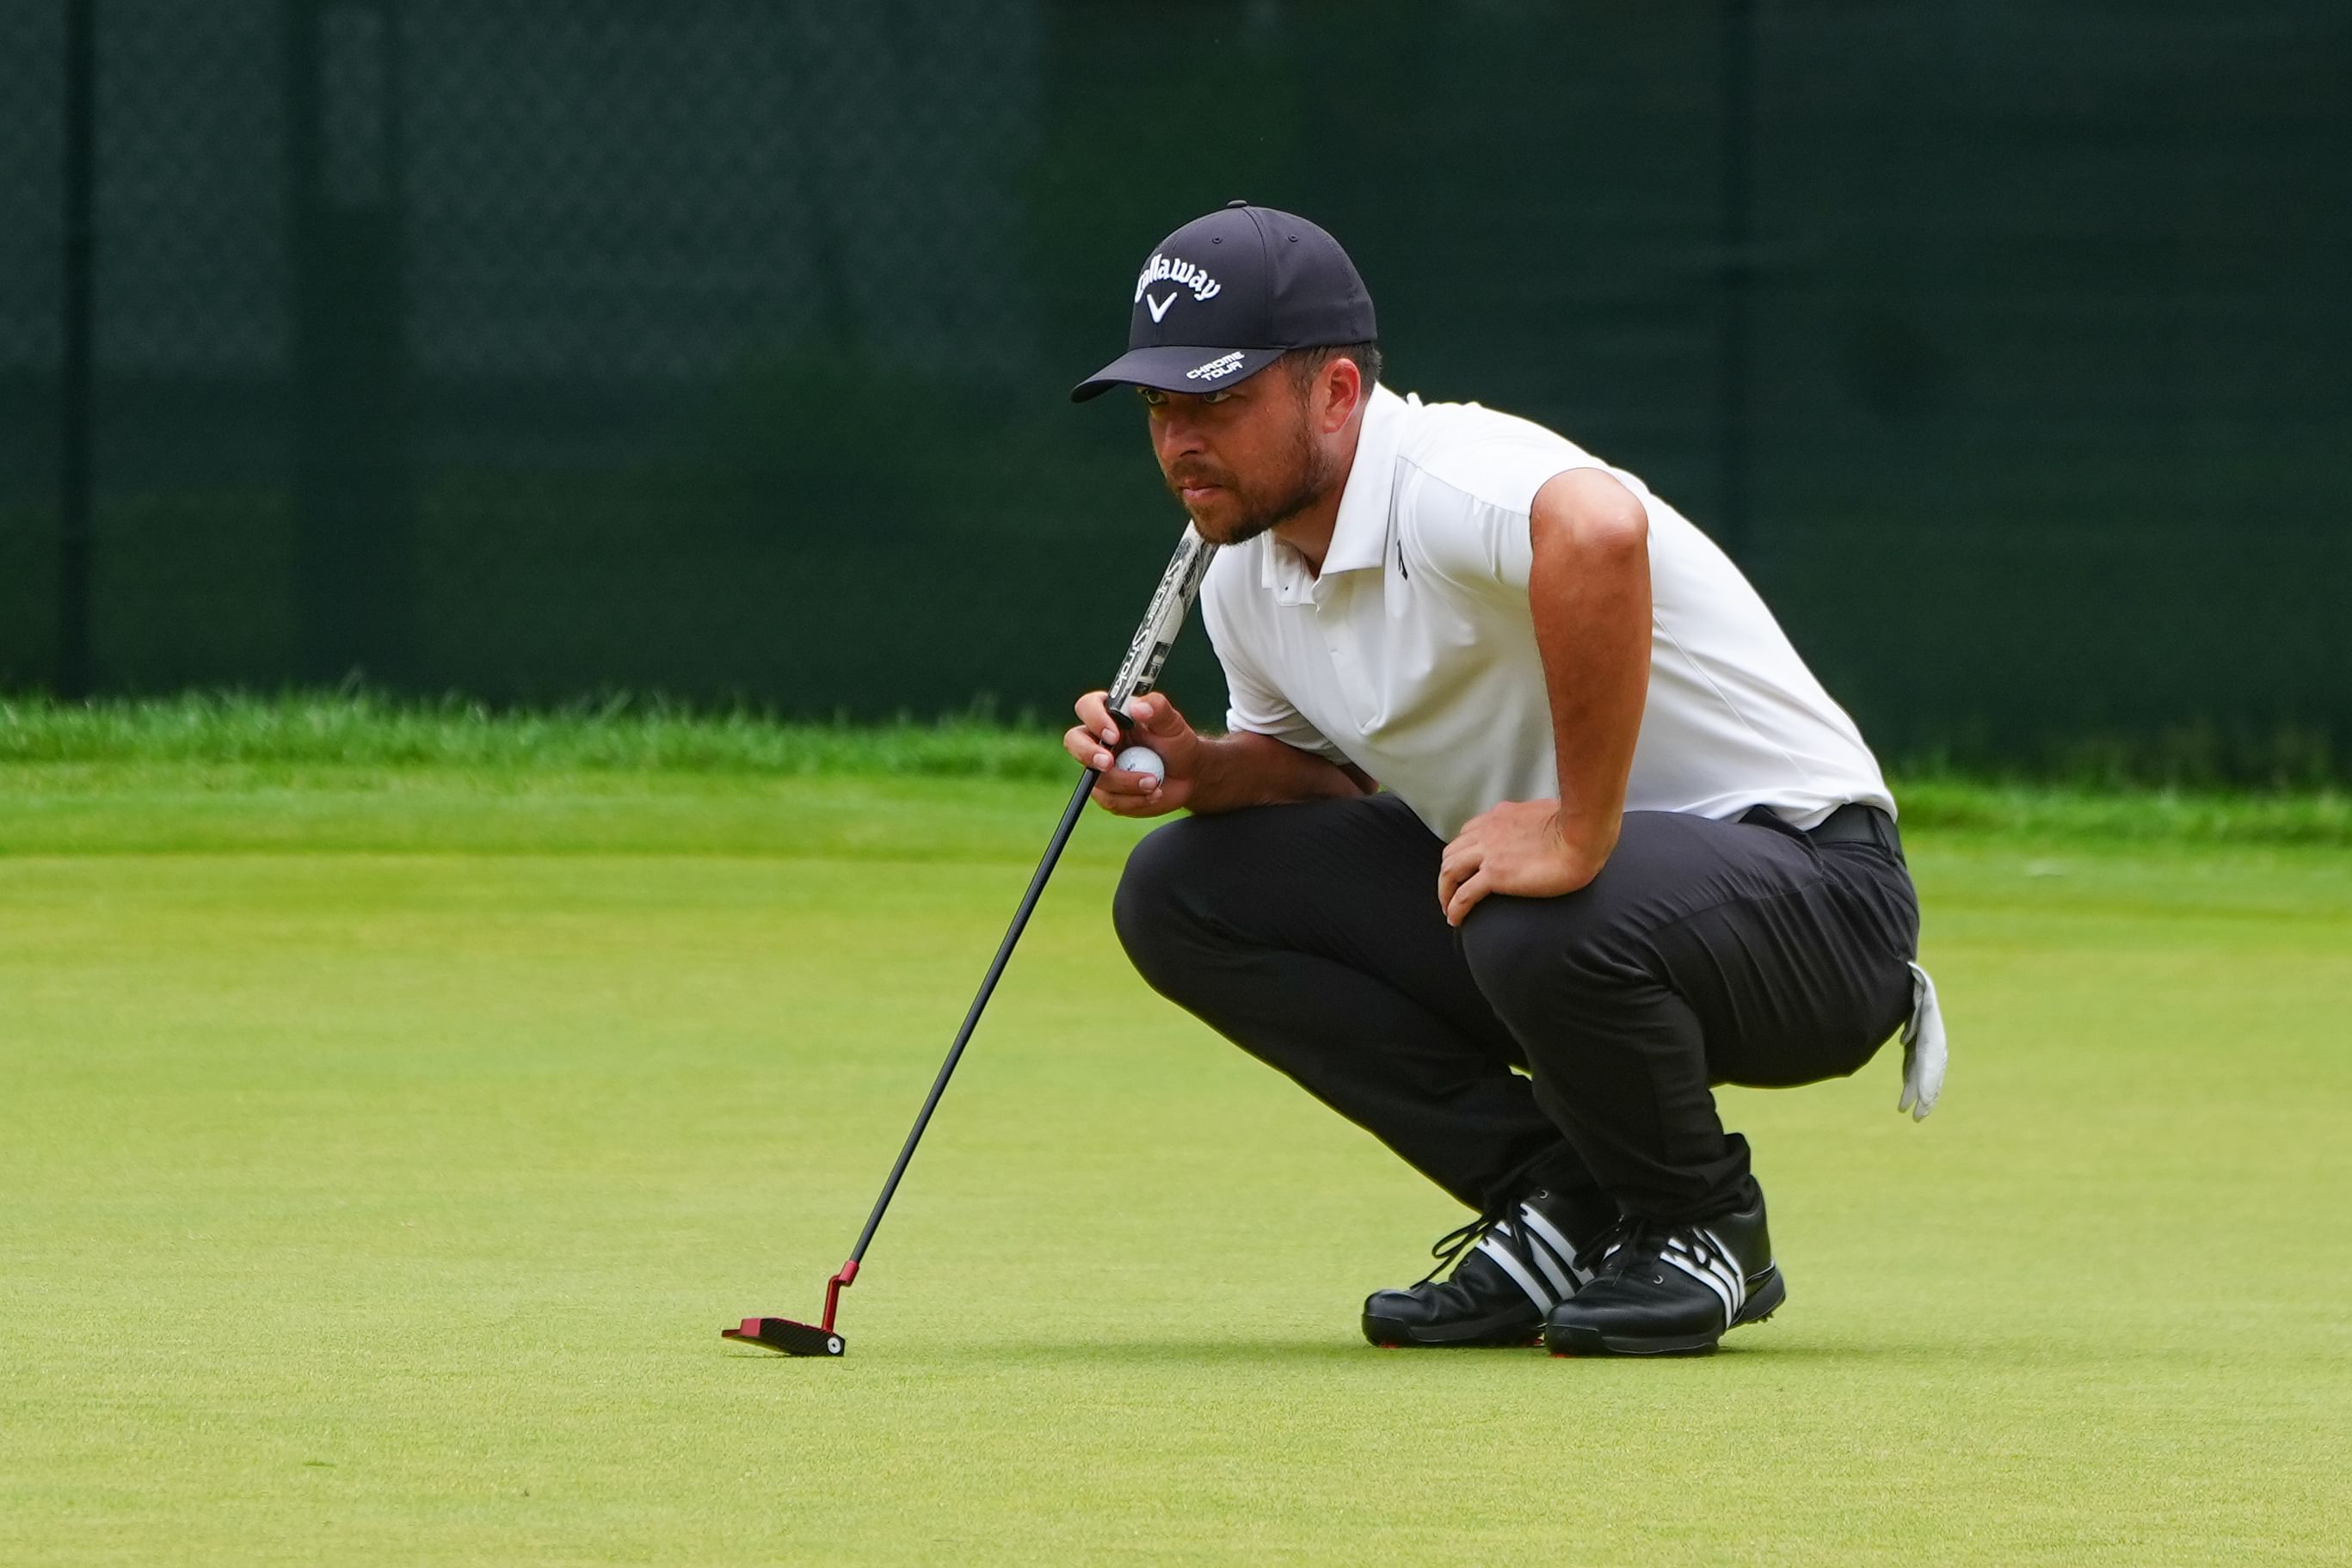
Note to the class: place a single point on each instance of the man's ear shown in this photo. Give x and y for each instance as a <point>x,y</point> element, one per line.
<point>1342,385</point>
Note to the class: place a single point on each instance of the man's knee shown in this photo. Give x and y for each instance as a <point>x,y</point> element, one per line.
<point>1155,908</point>
<point>1531,955</point>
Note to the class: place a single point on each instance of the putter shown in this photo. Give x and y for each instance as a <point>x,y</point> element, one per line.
<point>1137,674</point>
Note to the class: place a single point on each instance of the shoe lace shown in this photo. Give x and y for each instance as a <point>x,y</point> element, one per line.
<point>1450,1247</point>
<point>1624,1244</point>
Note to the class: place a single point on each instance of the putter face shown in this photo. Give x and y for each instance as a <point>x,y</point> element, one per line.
<point>784,1335</point>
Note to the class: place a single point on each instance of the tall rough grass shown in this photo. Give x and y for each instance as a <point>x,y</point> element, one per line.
<point>361,730</point>
<point>621,734</point>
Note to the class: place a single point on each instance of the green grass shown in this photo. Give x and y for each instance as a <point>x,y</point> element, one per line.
<point>382,1146</point>
<point>342,742</point>
<point>619,734</point>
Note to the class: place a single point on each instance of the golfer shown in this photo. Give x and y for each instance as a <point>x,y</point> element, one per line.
<point>1529,826</point>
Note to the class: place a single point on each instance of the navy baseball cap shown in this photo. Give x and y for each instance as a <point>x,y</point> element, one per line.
<point>1227,294</point>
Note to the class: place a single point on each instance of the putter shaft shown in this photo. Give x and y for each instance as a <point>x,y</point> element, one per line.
<point>1062,830</point>
<point>1138,672</point>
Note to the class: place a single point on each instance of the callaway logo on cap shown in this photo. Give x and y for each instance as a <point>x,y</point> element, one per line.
<point>1226,295</point>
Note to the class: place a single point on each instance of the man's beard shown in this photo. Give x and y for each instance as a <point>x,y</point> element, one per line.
<point>1307,481</point>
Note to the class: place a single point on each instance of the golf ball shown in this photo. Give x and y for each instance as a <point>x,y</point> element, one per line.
<point>1142,759</point>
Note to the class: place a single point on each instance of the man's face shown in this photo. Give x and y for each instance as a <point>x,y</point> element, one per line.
<point>1242,458</point>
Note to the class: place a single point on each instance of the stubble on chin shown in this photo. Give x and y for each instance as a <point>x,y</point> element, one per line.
<point>1247,526</point>
<point>1310,481</point>
<point>1311,484</point>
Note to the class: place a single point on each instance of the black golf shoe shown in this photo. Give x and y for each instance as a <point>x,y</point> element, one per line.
<point>1670,1290</point>
<point>1515,1267</point>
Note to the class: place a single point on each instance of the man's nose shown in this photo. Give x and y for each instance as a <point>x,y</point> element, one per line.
<point>1177,434</point>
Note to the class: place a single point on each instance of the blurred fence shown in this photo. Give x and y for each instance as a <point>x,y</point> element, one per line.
<point>527,347</point>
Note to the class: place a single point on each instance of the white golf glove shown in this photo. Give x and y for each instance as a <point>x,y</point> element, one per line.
<point>1923,1049</point>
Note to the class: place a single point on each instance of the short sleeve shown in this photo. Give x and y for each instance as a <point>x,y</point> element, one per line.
<point>1470,542</point>
<point>1473,489</point>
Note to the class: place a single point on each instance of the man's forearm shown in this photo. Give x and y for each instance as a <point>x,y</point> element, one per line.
<point>1246,769</point>
<point>1590,595</point>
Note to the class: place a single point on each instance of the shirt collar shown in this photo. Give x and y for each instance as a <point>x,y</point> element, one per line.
<point>1359,536</point>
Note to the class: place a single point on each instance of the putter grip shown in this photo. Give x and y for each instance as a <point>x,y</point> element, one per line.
<point>1179,586</point>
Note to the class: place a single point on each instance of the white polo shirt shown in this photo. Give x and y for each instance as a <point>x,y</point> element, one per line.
<point>1413,656</point>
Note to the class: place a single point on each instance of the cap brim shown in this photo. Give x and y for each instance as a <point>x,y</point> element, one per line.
<point>1176,369</point>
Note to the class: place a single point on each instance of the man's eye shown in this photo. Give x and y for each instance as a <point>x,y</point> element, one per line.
<point>1215,396</point>
<point>1152,396</point>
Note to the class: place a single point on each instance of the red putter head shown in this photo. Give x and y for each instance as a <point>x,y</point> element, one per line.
<point>798,1338</point>
<point>790,1337</point>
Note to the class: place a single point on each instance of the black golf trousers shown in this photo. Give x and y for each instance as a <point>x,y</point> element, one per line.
<point>1705,952</point>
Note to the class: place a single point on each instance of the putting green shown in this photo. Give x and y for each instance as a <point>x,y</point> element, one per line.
<point>380,1155</point>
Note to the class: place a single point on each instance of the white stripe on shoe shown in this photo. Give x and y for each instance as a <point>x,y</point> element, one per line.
<point>1553,1251</point>
<point>1710,1264</point>
<point>1529,1238</point>
<point>1508,1261</point>
<point>1562,1285</point>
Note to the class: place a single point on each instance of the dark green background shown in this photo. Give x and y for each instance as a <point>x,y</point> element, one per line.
<point>530,349</point>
